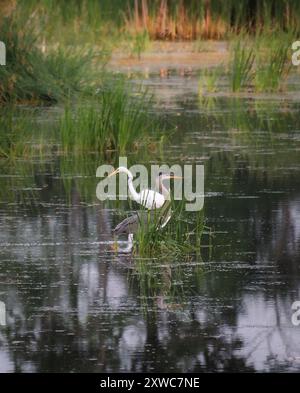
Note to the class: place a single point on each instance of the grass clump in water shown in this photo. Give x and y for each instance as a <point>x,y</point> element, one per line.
<point>181,237</point>
<point>116,119</point>
<point>241,63</point>
<point>163,257</point>
<point>209,80</point>
<point>260,65</point>
<point>272,68</point>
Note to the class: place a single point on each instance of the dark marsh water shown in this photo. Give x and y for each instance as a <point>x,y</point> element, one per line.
<point>74,306</point>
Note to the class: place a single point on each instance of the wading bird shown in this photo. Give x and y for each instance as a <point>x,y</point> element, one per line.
<point>158,204</point>
<point>148,198</point>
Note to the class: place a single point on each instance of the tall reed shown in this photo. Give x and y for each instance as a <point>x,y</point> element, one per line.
<point>272,68</point>
<point>178,19</point>
<point>180,237</point>
<point>240,67</point>
<point>208,81</point>
<point>91,20</point>
<point>117,118</point>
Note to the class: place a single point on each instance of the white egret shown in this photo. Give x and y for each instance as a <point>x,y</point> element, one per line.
<point>148,198</point>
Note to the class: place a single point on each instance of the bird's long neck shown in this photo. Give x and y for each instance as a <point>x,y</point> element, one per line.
<point>132,190</point>
<point>163,190</point>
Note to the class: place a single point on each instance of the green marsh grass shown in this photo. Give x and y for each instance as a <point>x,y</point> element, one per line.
<point>260,63</point>
<point>181,237</point>
<point>209,80</point>
<point>116,119</point>
<point>33,76</point>
<point>163,257</point>
<point>106,21</point>
<point>241,65</point>
<point>72,22</point>
<point>272,67</point>
<point>139,43</point>
<point>187,20</point>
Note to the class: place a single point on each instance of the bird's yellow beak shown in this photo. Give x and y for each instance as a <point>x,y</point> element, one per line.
<point>176,177</point>
<point>115,172</point>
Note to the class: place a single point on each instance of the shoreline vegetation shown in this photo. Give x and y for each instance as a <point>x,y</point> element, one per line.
<point>159,19</point>
<point>57,49</point>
